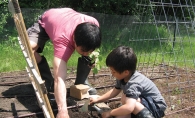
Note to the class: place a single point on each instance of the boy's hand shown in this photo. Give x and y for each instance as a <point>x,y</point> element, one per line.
<point>93,100</point>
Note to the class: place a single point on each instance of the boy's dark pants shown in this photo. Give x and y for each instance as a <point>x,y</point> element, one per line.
<point>151,107</point>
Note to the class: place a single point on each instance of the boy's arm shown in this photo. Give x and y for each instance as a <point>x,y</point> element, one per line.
<point>125,109</point>
<point>110,94</point>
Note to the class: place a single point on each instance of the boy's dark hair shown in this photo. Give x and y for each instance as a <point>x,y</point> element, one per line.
<point>88,36</point>
<point>122,58</point>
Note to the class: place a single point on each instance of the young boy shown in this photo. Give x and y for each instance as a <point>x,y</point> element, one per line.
<point>140,96</point>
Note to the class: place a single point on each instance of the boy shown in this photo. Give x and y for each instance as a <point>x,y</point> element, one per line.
<point>68,30</point>
<point>140,97</point>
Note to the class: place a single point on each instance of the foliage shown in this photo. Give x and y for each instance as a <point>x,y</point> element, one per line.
<point>96,58</point>
<point>5,17</point>
<point>119,7</point>
<point>122,7</point>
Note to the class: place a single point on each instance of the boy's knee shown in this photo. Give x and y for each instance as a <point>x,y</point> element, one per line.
<point>139,100</point>
<point>138,107</point>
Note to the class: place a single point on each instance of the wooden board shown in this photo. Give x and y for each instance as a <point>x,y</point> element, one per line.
<point>104,107</point>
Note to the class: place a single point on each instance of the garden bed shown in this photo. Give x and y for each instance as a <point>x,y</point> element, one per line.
<point>18,98</point>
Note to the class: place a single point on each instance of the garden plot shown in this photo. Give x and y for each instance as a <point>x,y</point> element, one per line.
<point>18,98</point>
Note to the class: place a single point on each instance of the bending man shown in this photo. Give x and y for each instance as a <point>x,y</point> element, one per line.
<point>68,31</point>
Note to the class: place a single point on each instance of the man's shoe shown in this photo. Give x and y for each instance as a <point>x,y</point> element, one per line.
<point>92,91</point>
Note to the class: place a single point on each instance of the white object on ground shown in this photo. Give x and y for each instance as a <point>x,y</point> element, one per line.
<point>84,108</point>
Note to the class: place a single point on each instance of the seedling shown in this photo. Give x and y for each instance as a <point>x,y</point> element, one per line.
<point>95,58</point>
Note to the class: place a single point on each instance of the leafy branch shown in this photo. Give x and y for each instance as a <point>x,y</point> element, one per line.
<point>96,58</point>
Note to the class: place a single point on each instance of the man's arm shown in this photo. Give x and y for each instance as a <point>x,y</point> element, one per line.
<point>60,73</point>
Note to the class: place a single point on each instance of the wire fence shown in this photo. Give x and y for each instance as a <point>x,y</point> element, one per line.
<point>164,41</point>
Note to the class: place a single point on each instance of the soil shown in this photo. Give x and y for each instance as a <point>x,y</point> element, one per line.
<point>18,98</point>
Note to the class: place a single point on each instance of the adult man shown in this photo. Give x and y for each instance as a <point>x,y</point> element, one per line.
<point>68,31</point>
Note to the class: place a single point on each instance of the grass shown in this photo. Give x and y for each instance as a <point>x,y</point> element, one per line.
<point>152,45</point>
<point>11,56</point>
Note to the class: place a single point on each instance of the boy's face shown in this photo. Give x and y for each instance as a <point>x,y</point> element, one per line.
<point>119,76</point>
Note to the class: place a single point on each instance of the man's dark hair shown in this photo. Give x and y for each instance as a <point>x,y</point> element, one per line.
<point>88,36</point>
<point>122,58</point>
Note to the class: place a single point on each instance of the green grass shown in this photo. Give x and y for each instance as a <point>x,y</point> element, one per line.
<point>11,56</point>
<point>143,39</point>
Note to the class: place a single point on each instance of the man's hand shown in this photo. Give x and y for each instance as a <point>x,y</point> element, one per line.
<point>62,114</point>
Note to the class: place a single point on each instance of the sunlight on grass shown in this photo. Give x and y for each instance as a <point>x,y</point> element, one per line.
<point>11,58</point>
<point>152,45</point>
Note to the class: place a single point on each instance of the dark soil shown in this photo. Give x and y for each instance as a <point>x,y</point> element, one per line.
<point>18,97</point>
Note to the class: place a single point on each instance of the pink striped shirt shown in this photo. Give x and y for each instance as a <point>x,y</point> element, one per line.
<point>60,23</point>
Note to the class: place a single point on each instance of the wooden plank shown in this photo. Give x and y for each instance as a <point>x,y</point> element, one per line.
<point>104,107</point>
<point>40,100</point>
